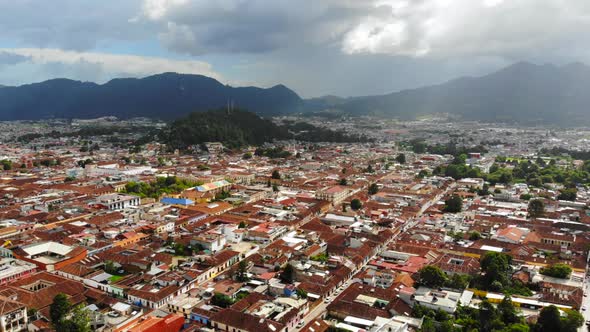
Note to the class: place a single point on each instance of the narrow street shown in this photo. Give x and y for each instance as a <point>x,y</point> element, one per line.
<point>320,309</point>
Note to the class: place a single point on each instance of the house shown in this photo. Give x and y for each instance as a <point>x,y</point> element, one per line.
<point>445,300</point>
<point>13,315</point>
<point>209,241</point>
<point>50,255</point>
<point>236,321</point>
<point>117,201</point>
<point>13,269</point>
<point>334,194</point>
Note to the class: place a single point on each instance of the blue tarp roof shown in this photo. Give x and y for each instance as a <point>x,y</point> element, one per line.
<point>180,201</point>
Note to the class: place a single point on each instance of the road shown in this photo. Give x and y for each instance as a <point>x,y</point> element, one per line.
<point>321,308</point>
<point>586,304</point>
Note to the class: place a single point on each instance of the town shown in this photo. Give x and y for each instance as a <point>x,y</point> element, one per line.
<point>433,225</point>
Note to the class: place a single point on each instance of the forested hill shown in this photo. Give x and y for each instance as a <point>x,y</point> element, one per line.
<point>237,128</point>
<point>164,96</point>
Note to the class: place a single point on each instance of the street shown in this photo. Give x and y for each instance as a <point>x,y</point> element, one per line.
<point>321,308</point>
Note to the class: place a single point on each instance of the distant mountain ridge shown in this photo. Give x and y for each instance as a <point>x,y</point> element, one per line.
<point>165,96</point>
<point>523,93</point>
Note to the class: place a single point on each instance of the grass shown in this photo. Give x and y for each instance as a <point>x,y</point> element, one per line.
<point>115,278</point>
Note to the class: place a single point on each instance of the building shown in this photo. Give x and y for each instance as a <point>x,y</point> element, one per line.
<point>50,255</point>
<point>118,201</point>
<point>13,315</point>
<point>335,194</point>
<point>12,269</point>
<point>445,300</point>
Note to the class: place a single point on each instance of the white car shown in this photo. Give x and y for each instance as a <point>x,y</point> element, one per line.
<point>327,300</point>
<point>301,324</point>
<point>584,308</point>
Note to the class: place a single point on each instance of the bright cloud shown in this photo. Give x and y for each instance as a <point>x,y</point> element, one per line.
<point>114,64</point>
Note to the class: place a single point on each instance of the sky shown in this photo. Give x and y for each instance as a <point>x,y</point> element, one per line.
<point>315,47</point>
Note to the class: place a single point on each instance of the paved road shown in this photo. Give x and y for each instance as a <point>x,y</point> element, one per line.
<point>321,308</point>
<point>586,304</point>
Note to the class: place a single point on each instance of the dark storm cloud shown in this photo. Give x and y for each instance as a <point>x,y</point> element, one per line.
<point>69,24</point>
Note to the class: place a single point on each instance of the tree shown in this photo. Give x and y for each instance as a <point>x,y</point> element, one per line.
<point>496,266</point>
<point>558,270</point>
<point>275,188</point>
<point>572,321</point>
<point>242,224</point>
<point>453,204</point>
<point>58,310</point>
<point>508,312</point>
<point>247,155</point>
<point>221,300</point>
<point>549,319</point>
<point>301,293</point>
<point>432,276</point>
<point>458,281</point>
<point>242,271</point>
<point>373,189</point>
<point>401,158</point>
<point>343,182</point>
<point>369,169</point>
<point>569,194</point>
<point>276,175</point>
<point>109,267</point>
<point>474,236</point>
<point>6,164</point>
<point>288,274</point>
<point>356,204</point>
<point>80,320</point>
<point>536,208</point>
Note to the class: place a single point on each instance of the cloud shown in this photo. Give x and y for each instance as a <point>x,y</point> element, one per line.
<point>411,28</point>
<point>100,66</point>
<point>7,58</point>
<point>255,26</point>
<point>515,28</point>
<point>70,24</point>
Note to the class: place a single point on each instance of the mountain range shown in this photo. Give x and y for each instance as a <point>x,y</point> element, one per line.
<point>165,96</point>
<point>521,93</point>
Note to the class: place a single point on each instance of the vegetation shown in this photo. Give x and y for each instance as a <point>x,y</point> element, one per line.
<point>272,153</point>
<point>431,276</point>
<point>558,270</point>
<point>536,208</point>
<point>373,189</point>
<point>420,146</point>
<point>275,175</point>
<point>568,194</point>
<point>65,317</point>
<point>287,276</point>
<point>356,204</point>
<point>241,275</point>
<point>162,185</point>
<point>304,131</point>
<point>323,257</point>
<point>238,128</point>
<point>222,300</point>
<point>551,320</point>
<point>453,204</point>
<point>486,318</point>
<point>474,236</point>
<point>401,158</point>
<point>496,275</point>
<point>6,164</point>
<point>504,317</point>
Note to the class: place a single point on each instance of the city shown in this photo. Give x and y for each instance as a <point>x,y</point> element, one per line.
<point>358,236</point>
